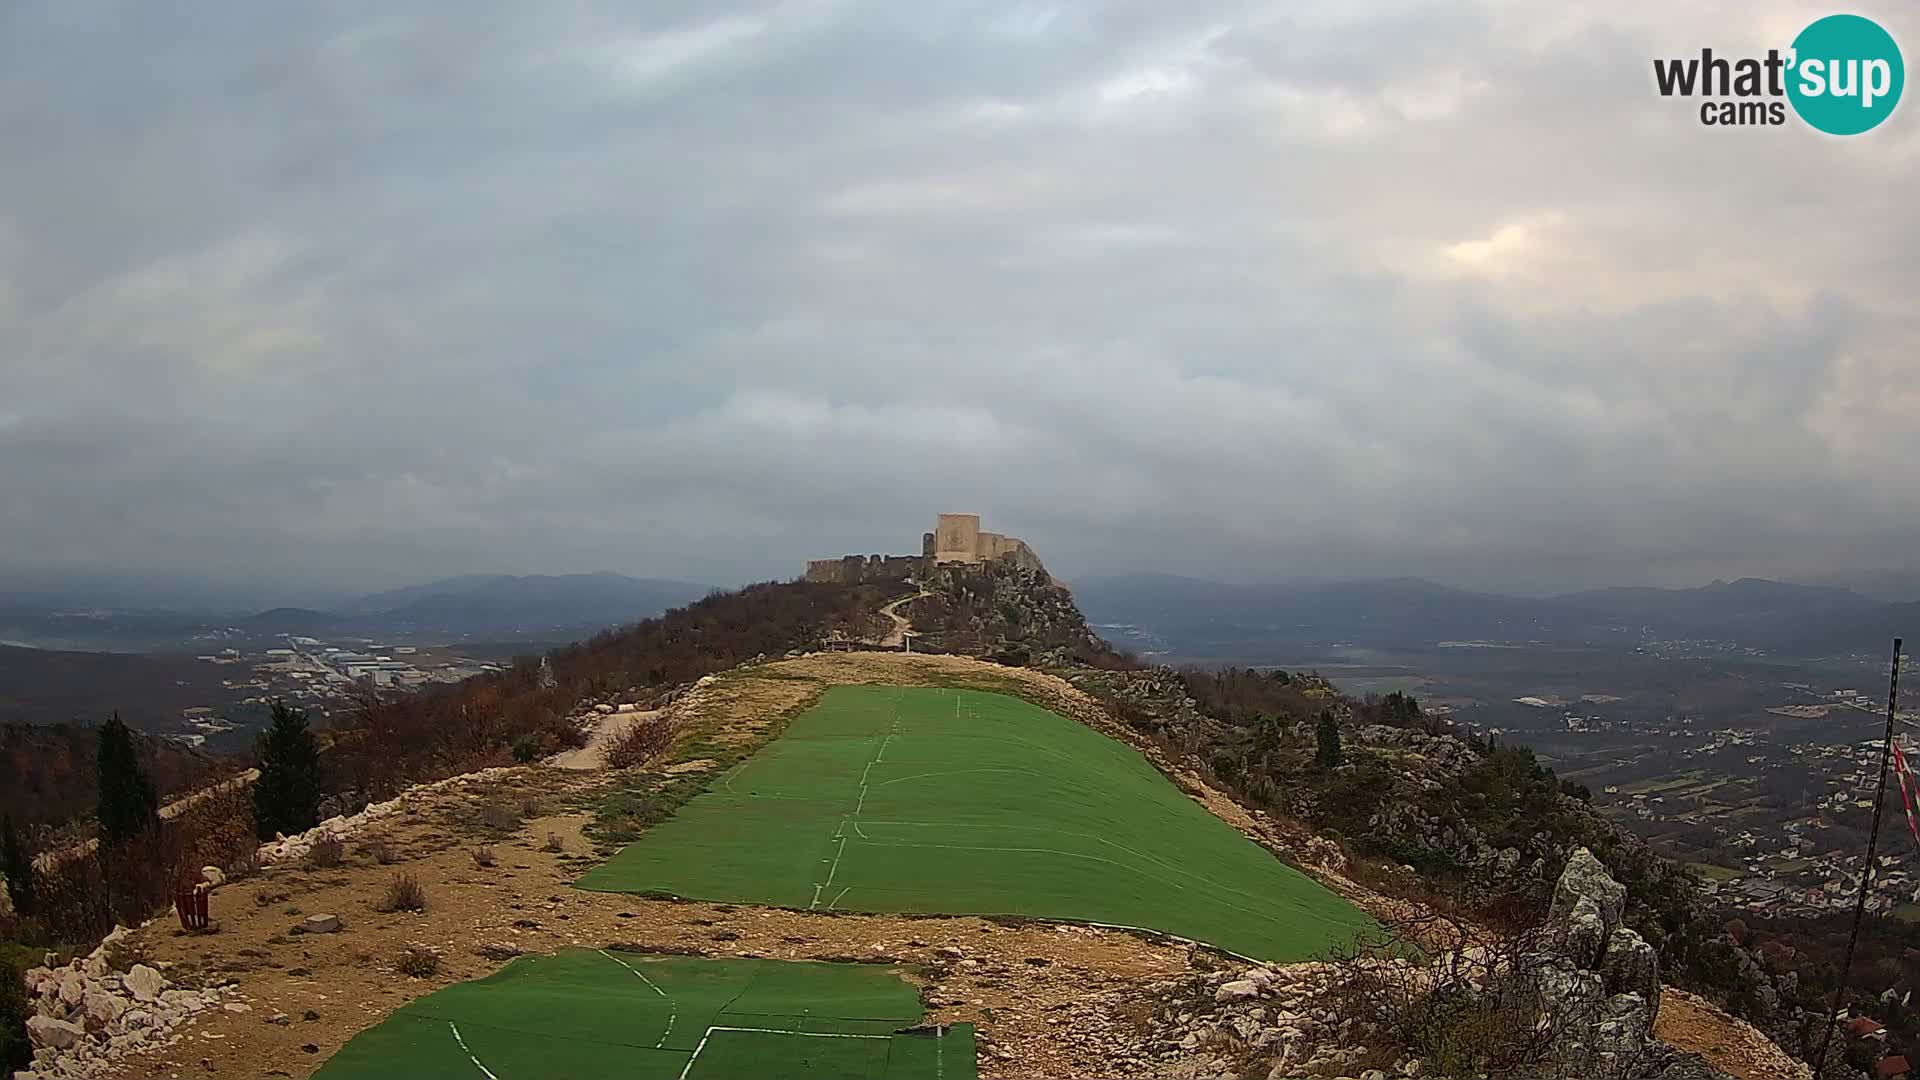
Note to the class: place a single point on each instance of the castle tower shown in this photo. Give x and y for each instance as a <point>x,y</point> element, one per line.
<point>956,538</point>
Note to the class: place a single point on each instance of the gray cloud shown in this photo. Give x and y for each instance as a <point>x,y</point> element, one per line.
<point>359,293</point>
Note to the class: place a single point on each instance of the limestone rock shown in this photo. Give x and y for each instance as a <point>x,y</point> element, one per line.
<point>56,1034</point>
<point>1631,966</point>
<point>1585,876</point>
<point>144,983</point>
<point>1237,990</point>
<point>321,924</point>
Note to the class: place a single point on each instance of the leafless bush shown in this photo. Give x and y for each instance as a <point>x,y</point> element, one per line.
<point>1467,1000</point>
<point>418,961</point>
<point>554,843</point>
<point>483,856</point>
<point>499,817</point>
<point>326,853</point>
<point>640,743</point>
<point>404,893</point>
<point>244,865</point>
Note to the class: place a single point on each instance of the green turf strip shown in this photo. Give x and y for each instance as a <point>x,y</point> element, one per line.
<point>893,799</point>
<point>586,1013</point>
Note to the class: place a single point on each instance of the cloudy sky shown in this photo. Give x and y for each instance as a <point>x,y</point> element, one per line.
<point>360,293</point>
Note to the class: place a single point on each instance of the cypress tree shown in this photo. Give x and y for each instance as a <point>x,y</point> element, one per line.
<point>128,805</point>
<point>1328,734</point>
<point>18,866</point>
<point>286,798</point>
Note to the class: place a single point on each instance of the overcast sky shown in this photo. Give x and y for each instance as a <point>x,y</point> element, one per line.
<point>363,293</point>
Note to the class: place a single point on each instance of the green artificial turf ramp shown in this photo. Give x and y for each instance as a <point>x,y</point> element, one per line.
<point>588,1013</point>
<point>893,799</point>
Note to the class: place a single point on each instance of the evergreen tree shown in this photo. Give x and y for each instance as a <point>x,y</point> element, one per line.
<point>286,798</point>
<point>16,1050</point>
<point>128,805</point>
<point>18,866</point>
<point>1327,731</point>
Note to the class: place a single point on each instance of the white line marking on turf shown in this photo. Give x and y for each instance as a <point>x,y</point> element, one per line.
<point>673,1009</point>
<point>837,899</point>
<point>484,1071</point>
<point>765,1031</point>
<point>939,1048</point>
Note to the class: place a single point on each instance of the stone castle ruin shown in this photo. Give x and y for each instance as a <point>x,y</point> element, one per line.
<point>956,538</point>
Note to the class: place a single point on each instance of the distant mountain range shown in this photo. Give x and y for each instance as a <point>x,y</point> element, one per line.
<point>1204,617</point>
<point>541,607</point>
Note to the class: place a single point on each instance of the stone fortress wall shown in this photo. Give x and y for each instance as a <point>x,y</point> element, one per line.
<point>956,538</point>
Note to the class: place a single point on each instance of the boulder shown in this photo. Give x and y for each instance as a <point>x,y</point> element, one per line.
<point>73,988</point>
<point>1630,966</point>
<point>103,1007</point>
<point>320,924</point>
<point>1582,935</point>
<point>214,876</point>
<point>54,1034</point>
<point>1586,877</point>
<point>1236,990</point>
<point>144,983</point>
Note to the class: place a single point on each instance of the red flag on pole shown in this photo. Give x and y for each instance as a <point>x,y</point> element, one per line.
<point>1905,773</point>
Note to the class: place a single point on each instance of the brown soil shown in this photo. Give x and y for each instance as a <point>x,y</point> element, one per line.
<point>1733,1046</point>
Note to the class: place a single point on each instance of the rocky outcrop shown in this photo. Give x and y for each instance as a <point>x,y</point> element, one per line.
<point>87,1015</point>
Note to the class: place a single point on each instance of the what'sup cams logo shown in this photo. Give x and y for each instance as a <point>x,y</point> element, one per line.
<point>1843,75</point>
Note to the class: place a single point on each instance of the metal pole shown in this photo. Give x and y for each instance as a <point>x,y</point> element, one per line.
<point>1866,876</point>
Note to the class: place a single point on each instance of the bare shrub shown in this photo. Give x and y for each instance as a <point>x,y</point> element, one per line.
<point>326,853</point>
<point>640,743</point>
<point>499,817</point>
<point>244,865</point>
<point>1467,1000</point>
<point>483,856</point>
<point>418,961</point>
<point>382,852</point>
<point>554,843</point>
<point>404,893</point>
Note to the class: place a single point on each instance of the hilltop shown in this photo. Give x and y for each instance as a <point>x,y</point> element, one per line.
<point>728,671</point>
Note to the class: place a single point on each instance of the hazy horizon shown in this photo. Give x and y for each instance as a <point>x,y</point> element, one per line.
<point>333,299</point>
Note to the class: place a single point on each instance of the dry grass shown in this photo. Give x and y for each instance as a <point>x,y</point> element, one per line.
<point>381,852</point>
<point>483,856</point>
<point>404,893</point>
<point>554,843</point>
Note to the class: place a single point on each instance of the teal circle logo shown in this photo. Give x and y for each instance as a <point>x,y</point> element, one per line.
<point>1846,75</point>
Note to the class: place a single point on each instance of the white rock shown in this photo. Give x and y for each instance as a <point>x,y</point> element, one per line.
<point>103,1006</point>
<point>144,983</point>
<point>238,1007</point>
<point>321,924</point>
<point>1236,990</point>
<point>215,876</point>
<point>57,1034</point>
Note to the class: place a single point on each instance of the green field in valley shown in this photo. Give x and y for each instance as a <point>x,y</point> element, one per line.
<point>587,1013</point>
<point>924,800</point>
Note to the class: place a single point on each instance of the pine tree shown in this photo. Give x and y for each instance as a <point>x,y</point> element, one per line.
<point>286,798</point>
<point>18,866</point>
<point>1328,734</point>
<point>128,805</point>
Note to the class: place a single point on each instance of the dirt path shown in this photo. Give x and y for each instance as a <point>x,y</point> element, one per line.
<point>897,636</point>
<point>608,728</point>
